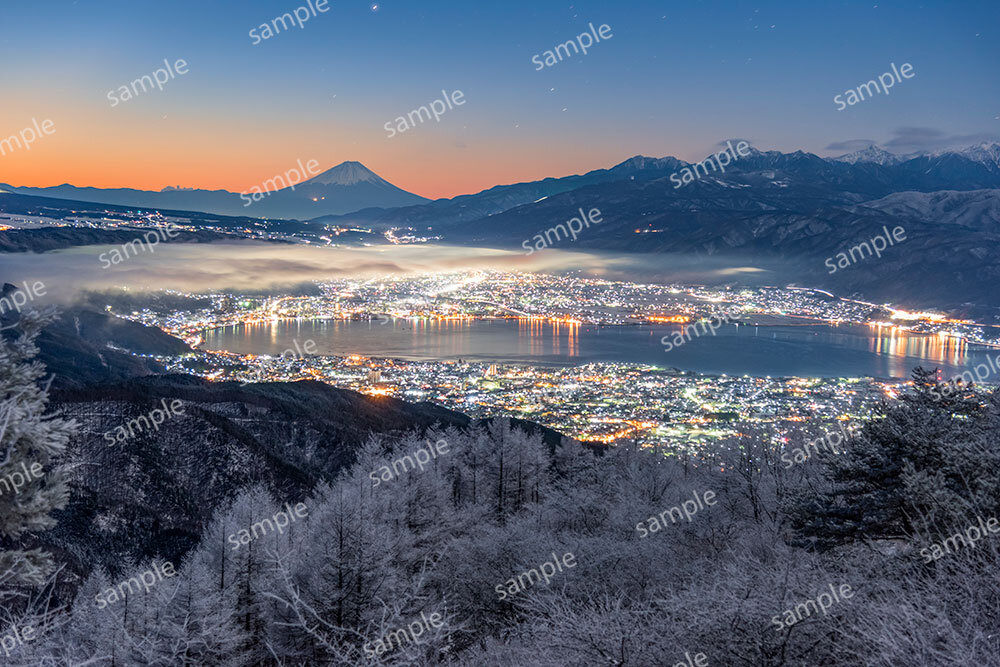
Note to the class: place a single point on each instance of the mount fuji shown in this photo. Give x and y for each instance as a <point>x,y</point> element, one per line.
<point>347,187</point>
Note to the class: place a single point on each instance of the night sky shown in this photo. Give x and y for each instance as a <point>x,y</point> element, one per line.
<point>674,79</point>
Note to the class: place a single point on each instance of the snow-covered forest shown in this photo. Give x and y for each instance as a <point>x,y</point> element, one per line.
<point>368,559</point>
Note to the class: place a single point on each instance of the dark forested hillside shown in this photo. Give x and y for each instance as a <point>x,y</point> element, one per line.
<point>153,490</point>
<point>81,345</point>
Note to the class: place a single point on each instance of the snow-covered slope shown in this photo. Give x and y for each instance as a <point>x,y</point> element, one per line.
<point>975,209</point>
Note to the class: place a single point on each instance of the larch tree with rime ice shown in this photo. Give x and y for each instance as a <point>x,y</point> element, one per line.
<point>30,444</point>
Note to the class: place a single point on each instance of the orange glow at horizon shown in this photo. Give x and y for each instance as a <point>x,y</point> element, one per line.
<point>148,150</point>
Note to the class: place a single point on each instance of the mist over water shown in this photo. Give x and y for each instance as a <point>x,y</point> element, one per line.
<point>254,266</point>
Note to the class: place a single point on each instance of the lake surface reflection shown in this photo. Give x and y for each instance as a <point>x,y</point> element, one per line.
<point>801,350</point>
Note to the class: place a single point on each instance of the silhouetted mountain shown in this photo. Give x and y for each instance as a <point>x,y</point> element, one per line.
<point>792,206</point>
<point>865,175</point>
<point>153,493</point>
<point>464,208</point>
<point>74,211</point>
<point>347,187</point>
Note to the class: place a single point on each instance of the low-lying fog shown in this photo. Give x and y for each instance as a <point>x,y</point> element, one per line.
<point>252,266</point>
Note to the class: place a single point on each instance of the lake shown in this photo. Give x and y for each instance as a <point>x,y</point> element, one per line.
<point>802,350</point>
<point>812,350</point>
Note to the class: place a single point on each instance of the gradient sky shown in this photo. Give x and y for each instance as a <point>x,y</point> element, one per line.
<point>676,78</point>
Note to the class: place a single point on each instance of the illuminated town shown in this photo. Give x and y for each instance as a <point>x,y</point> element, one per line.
<point>556,298</point>
<point>603,402</point>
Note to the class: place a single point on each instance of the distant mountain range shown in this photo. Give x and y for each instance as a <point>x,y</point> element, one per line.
<point>352,193</point>
<point>797,208</point>
<point>349,186</point>
<point>866,174</point>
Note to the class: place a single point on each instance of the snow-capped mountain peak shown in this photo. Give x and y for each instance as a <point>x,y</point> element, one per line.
<point>749,151</point>
<point>347,173</point>
<point>873,154</point>
<point>987,153</point>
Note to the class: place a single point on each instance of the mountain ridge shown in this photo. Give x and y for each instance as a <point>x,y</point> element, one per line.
<point>348,186</point>
<point>868,175</point>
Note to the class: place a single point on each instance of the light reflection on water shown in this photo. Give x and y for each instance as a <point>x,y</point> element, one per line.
<point>899,345</point>
<point>809,351</point>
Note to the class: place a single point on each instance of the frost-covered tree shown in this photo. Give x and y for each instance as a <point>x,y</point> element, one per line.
<point>371,559</point>
<point>917,469</point>
<point>195,624</point>
<point>32,483</point>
